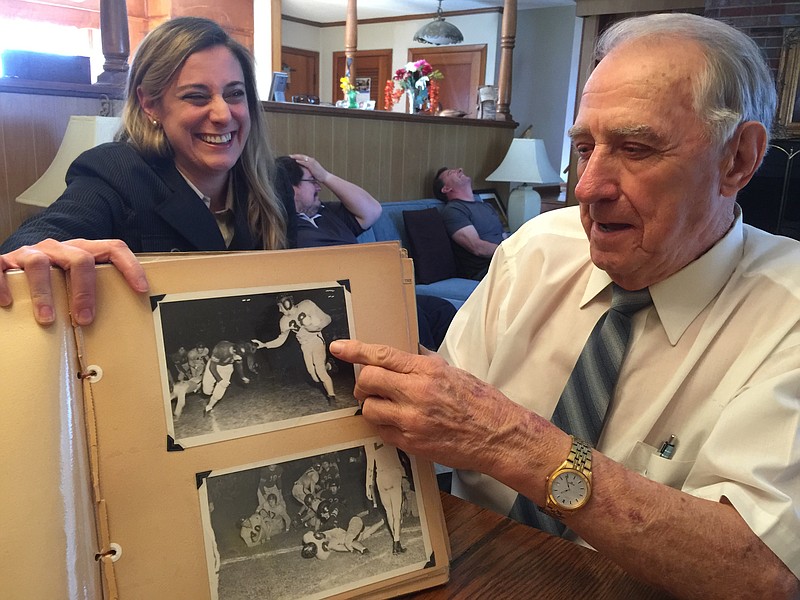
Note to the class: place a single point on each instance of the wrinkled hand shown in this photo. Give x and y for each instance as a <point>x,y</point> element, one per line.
<point>421,404</point>
<point>317,171</point>
<point>79,257</point>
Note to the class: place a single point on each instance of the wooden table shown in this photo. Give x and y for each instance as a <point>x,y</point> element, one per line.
<point>499,559</point>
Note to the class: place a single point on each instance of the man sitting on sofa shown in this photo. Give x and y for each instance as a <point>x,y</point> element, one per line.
<point>340,223</point>
<point>474,227</point>
<point>333,224</point>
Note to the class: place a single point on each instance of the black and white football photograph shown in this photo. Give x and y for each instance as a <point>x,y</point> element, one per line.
<point>309,527</point>
<point>241,362</point>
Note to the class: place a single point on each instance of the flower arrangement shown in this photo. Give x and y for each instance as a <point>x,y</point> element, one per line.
<point>346,86</point>
<point>418,80</point>
<point>349,91</point>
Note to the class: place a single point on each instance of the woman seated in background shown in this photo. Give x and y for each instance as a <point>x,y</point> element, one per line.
<point>191,171</point>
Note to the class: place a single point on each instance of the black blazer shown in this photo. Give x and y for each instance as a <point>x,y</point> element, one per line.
<point>114,193</point>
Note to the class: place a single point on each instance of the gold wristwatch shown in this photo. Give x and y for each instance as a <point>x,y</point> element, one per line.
<point>569,487</point>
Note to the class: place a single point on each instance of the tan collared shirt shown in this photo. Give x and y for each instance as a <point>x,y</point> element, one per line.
<point>223,217</point>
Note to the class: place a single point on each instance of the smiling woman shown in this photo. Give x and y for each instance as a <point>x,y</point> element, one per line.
<point>190,172</point>
<point>205,118</point>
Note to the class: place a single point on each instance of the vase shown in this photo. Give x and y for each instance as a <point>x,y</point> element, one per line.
<point>416,99</point>
<point>351,99</point>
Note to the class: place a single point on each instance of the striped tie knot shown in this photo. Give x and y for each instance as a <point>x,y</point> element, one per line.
<point>629,302</point>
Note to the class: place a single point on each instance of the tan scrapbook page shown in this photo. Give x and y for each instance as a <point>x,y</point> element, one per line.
<point>227,456</point>
<point>48,542</point>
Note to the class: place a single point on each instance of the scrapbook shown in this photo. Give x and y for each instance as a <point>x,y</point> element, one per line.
<point>200,442</point>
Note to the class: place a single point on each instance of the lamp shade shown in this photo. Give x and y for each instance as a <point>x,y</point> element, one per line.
<point>82,133</point>
<point>526,162</point>
<point>439,32</point>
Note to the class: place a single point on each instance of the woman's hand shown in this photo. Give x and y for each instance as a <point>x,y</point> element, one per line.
<point>79,257</point>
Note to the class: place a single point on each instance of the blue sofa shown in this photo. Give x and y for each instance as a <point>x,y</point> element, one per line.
<point>391,226</point>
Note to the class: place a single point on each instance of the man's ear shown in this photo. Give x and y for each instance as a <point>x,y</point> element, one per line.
<point>742,157</point>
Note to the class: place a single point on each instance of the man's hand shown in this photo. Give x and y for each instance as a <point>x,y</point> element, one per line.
<point>316,170</point>
<point>355,199</point>
<point>421,404</point>
<point>79,257</point>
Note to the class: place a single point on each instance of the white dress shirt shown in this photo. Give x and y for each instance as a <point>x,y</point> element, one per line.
<point>715,361</point>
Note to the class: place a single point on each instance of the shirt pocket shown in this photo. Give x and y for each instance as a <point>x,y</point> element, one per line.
<point>645,460</point>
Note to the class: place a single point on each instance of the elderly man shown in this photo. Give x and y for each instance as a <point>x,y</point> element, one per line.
<point>672,123</point>
<point>474,227</point>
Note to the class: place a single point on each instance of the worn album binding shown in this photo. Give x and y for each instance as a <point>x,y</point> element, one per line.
<point>227,458</point>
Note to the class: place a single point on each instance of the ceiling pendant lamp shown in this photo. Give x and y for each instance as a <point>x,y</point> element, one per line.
<point>439,32</point>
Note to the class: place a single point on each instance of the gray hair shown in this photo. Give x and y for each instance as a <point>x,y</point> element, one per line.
<point>737,84</point>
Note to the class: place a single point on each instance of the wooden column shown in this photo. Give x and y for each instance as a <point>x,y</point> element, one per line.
<point>507,40</point>
<point>276,8</point>
<point>350,38</point>
<point>115,41</point>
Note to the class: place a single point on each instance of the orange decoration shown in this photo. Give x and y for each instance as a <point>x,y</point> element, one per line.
<point>391,95</point>
<point>433,96</point>
<point>388,93</point>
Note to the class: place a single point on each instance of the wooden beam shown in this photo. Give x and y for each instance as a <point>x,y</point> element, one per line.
<point>276,7</point>
<point>588,8</point>
<point>507,42</point>
<point>115,41</point>
<point>350,38</point>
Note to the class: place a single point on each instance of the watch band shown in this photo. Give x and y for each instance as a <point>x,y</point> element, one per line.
<point>579,459</point>
<point>580,456</point>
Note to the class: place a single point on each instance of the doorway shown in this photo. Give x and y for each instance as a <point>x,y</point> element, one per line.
<point>303,69</point>
<point>371,69</point>
<point>463,69</point>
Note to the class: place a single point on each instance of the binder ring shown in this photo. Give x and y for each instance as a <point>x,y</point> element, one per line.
<point>92,374</point>
<point>114,551</point>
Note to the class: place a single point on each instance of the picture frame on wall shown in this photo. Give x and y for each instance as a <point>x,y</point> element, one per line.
<point>491,197</point>
<point>788,116</point>
<point>277,89</point>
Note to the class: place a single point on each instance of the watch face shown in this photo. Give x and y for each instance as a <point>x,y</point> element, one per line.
<point>570,489</point>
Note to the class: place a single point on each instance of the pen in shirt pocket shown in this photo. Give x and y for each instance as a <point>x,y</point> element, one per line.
<point>667,449</point>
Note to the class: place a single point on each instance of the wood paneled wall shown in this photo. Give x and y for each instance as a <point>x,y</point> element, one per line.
<point>31,129</point>
<point>391,155</point>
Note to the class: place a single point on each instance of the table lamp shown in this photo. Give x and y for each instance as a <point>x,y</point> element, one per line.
<point>525,162</point>
<point>82,133</point>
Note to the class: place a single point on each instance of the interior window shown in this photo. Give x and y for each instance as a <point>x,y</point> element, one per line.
<point>39,36</point>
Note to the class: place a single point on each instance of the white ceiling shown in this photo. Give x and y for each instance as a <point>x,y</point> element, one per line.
<point>326,11</point>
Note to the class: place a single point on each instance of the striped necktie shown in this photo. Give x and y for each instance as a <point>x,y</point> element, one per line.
<point>583,405</point>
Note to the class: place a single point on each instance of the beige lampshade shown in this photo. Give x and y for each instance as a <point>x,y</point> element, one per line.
<point>526,162</point>
<point>82,133</point>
